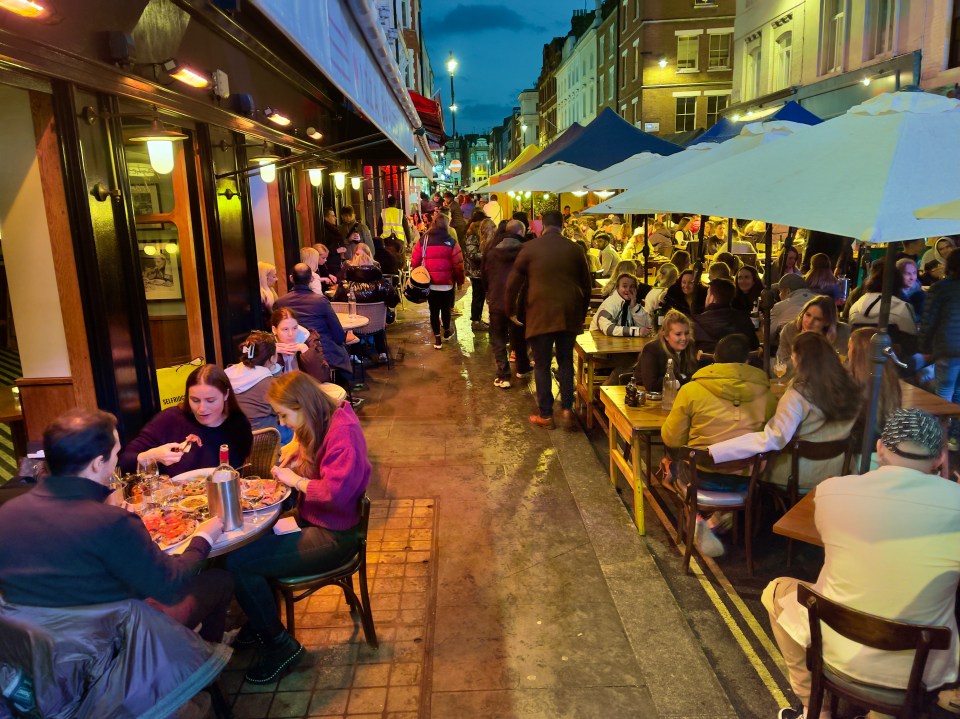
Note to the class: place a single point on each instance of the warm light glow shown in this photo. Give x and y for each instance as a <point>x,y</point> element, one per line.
<point>340,180</point>
<point>316,176</point>
<point>172,248</point>
<point>453,108</point>
<point>161,156</point>
<point>276,118</point>
<point>603,194</point>
<point>663,62</point>
<point>546,195</point>
<point>23,8</point>
<point>523,127</point>
<point>189,76</point>
<point>749,114</point>
<point>736,118</point>
<point>527,193</point>
<point>512,193</point>
<point>355,183</point>
<point>268,172</point>
<point>149,250</point>
<point>866,81</point>
<point>451,63</point>
<point>579,193</point>
<point>314,134</point>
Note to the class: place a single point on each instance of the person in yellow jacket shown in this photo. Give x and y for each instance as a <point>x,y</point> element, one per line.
<point>394,222</point>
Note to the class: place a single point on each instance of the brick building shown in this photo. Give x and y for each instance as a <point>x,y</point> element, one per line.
<point>607,53</point>
<point>547,90</point>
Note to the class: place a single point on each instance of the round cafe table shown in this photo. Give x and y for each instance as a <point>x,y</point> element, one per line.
<point>352,322</point>
<point>234,539</point>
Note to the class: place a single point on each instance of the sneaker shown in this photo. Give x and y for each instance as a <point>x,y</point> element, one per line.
<point>247,638</point>
<point>501,383</point>
<point>524,375</point>
<point>479,326</point>
<point>545,422</point>
<point>720,522</point>
<point>707,541</point>
<point>284,653</point>
<point>789,713</point>
<point>437,342</point>
<point>448,335</point>
<point>356,402</point>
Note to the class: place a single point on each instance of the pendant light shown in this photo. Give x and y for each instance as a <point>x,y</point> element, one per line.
<point>340,180</point>
<point>159,145</point>
<point>316,176</point>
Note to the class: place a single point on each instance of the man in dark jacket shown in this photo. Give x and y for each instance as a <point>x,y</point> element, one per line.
<point>331,238</point>
<point>64,546</point>
<point>457,221</point>
<point>940,335</point>
<point>315,313</point>
<point>719,319</point>
<point>558,283</point>
<point>495,266</point>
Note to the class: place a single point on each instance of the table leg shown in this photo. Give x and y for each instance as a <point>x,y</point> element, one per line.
<point>591,367</point>
<point>612,446</point>
<point>638,483</point>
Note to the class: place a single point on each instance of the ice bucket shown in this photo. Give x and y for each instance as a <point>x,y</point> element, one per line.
<point>223,498</point>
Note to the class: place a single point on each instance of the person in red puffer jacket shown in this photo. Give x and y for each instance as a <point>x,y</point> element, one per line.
<point>440,254</point>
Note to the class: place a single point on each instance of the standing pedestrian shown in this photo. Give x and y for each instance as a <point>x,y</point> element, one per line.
<point>492,210</point>
<point>457,221</point>
<point>558,295</point>
<point>940,335</point>
<point>494,270</point>
<point>354,232</point>
<point>440,254</point>
<point>479,234</point>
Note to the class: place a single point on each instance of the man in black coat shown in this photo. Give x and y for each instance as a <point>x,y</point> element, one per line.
<point>719,319</point>
<point>495,267</point>
<point>64,546</point>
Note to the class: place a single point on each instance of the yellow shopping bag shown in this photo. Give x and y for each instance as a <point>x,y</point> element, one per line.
<point>171,382</point>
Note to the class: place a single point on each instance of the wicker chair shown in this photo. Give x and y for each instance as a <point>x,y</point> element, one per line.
<point>264,452</point>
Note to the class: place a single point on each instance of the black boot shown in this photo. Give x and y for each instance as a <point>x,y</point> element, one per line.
<point>281,654</point>
<point>247,638</point>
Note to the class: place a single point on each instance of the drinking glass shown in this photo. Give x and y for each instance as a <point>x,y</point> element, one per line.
<point>780,369</point>
<point>252,489</point>
<point>149,468</point>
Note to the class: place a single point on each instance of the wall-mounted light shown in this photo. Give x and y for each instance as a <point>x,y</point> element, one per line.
<point>579,193</point>
<point>275,117</point>
<point>355,182</point>
<point>159,145</point>
<point>314,134</point>
<point>316,176</point>
<point>603,194</point>
<point>340,180</point>
<point>24,8</point>
<point>149,250</point>
<point>736,118</point>
<point>266,160</point>
<point>866,81</point>
<point>172,248</point>
<point>662,63</point>
<point>523,127</point>
<point>185,74</point>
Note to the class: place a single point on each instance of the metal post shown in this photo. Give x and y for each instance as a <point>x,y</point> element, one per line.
<point>766,300</point>
<point>646,248</point>
<point>880,346</point>
<point>729,234</point>
<point>453,103</point>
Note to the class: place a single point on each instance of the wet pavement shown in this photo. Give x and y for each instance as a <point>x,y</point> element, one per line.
<point>539,598</point>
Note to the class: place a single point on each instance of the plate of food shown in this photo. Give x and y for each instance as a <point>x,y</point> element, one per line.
<point>257,494</point>
<point>169,528</point>
<point>194,483</point>
<point>192,503</point>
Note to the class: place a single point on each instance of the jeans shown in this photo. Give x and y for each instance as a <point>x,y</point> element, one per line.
<point>204,599</point>
<point>543,347</point>
<point>947,374</point>
<point>440,303</point>
<point>499,332</point>
<point>479,294</point>
<point>310,551</point>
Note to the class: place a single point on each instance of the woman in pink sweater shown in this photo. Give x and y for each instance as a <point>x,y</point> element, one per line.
<point>327,466</point>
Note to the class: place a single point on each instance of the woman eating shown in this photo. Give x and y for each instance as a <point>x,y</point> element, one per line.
<point>188,436</point>
<point>819,315</point>
<point>820,405</point>
<point>327,465</point>
<point>674,342</point>
<point>685,296</point>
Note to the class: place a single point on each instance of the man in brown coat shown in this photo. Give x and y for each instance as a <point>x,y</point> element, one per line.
<point>558,282</point>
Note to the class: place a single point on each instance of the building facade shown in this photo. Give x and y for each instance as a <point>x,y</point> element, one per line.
<point>547,90</point>
<point>577,77</point>
<point>607,53</point>
<point>528,124</point>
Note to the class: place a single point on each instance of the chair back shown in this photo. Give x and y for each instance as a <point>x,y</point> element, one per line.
<point>340,308</point>
<point>264,452</point>
<point>816,451</point>
<point>376,312</point>
<point>364,510</point>
<point>871,631</point>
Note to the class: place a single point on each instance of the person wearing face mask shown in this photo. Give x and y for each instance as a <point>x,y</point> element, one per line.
<point>188,436</point>
<point>251,378</point>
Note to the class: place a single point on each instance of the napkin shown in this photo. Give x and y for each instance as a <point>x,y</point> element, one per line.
<point>286,525</point>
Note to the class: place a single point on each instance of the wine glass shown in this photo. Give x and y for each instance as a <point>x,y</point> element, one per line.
<point>148,468</point>
<point>172,492</point>
<point>780,369</point>
<point>253,491</point>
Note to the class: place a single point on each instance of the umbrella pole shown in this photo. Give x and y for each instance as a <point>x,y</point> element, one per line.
<point>766,298</point>
<point>880,347</point>
<point>729,234</point>
<point>646,250</point>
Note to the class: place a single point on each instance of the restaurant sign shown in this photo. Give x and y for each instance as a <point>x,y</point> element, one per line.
<point>329,35</point>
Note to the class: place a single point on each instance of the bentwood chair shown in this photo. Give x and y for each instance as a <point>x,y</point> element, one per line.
<point>695,500</point>
<point>376,313</point>
<point>264,452</point>
<point>877,633</point>
<point>293,589</point>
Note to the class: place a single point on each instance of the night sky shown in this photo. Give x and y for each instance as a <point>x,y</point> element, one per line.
<point>499,48</point>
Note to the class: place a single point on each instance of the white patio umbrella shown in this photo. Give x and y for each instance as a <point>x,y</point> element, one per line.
<point>943,211</point>
<point>552,177</point>
<point>606,179</point>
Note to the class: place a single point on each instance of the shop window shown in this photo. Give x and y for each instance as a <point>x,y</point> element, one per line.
<point>881,27</point>
<point>716,104</point>
<point>688,50</point>
<point>686,117</point>
<point>832,36</point>
<point>720,51</point>
<point>783,49</point>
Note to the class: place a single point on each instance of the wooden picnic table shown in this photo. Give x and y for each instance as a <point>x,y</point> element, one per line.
<point>798,523</point>
<point>916,398</point>
<point>637,426</point>
<point>590,348</point>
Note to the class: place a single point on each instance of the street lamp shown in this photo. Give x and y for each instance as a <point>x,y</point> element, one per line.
<point>451,66</point>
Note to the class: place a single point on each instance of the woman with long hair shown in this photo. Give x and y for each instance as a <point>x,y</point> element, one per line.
<point>297,347</point>
<point>749,287</point>
<point>680,260</point>
<point>326,465</point>
<point>818,315</point>
<point>440,254</point>
<point>860,366</point>
<point>674,342</point>
<point>821,404</point>
<point>268,286</point>
<point>251,378</point>
<point>789,263</point>
<point>666,277</point>
<point>685,296</point>
<point>820,277</point>
<point>623,267</point>
<point>479,235</point>
<point>311,258</point>
<point>188,436</point>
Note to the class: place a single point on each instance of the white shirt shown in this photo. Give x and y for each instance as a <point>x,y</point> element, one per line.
<point>892,542</point>
<point>492,210</point>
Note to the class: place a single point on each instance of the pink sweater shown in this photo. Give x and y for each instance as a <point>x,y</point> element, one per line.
<point>341,476</point>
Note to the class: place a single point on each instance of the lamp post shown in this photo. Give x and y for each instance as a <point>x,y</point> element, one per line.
<point>451,66</point>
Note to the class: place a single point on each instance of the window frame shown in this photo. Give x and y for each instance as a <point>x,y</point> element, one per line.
<point>833,36</point>
<point>715,99</point>
<point>692,115</point>
<point>710,52</point>
<point>782,71</point>
<point>871,32</point>
<point>687,38</point>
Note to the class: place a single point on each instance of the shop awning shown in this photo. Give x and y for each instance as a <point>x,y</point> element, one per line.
<point>727,128</point>
<point>345,42</point>
<point>431,116</point>
<point>528,153</point>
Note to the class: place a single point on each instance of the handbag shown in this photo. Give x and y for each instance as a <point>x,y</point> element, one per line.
<point>417,288</point>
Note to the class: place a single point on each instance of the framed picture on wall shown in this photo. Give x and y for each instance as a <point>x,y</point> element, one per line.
<point>160,270</point>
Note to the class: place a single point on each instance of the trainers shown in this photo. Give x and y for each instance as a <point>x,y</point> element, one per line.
<point>437,342</point>
<point>246,638</point>
<point>479,326</point>
<point>501,383</point>
<point>524,375</point>
<point>720,522</point>
<point>789,713</point>
<point>545,422</point>
<point>285,653</point>
<point>706,540</point>
<point>448,335</point>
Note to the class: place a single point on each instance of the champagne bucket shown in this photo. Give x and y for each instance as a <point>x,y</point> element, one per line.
<point>223,497</point>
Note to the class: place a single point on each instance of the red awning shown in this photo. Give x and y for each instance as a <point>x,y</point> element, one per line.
<point>431,115</point>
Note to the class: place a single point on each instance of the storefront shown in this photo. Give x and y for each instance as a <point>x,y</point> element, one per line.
<point>156,151</point>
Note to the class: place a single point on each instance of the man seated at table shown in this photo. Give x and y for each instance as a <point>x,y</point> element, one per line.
<point>891,549</point>
<point>64,546</point>
<point>726,399</point>
<point>661,241</point>
<point>719,319</point>
<point>608,256</point>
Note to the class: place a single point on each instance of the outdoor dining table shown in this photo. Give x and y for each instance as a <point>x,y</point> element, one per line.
<point>591,348</point>
<point>352,322</point>
<point>637,426</point>
<point>234,539</point>
<point>798,522</point>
